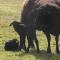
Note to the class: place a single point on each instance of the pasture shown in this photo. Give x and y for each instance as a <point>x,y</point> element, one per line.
<point>10,10</point>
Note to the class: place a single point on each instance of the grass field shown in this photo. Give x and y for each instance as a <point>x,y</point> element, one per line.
<point>10,10</point>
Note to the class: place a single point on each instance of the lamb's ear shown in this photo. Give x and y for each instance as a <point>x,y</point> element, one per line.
<point>11,24</point>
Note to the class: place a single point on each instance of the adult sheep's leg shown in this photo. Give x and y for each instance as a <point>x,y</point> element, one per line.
<point>30,43</point>
<point>30,38</point>
<point>48,39</point>
<point>36,42</point>
<point>57,46</point>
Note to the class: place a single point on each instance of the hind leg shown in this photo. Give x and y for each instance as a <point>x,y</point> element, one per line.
<point>48,39</point>
<point>57,46</point>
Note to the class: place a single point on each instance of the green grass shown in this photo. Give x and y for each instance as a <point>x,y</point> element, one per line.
<point>10,10</point>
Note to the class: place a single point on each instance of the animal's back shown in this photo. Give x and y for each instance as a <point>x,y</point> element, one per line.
<point>49,19</point>
<point>28,15</point>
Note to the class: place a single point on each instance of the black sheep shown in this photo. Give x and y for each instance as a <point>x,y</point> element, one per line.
<point>29,14</point>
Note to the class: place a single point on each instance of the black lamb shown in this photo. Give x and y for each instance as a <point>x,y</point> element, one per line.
<point>11,45</point>
<point>20,29</point>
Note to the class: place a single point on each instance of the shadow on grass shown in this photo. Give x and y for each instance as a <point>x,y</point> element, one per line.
<point>44,56</point>
<point>38,56</point>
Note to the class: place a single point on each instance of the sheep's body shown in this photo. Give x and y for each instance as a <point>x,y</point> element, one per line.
<point>27,15</point>
<point>31,11</point>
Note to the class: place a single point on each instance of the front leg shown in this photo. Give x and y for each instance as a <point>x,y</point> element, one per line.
<point>36,42</point>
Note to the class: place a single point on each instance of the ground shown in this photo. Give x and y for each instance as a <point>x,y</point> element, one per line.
<point>11,10</point>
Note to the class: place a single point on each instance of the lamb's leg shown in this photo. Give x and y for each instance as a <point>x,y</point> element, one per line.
<point>22,41</point>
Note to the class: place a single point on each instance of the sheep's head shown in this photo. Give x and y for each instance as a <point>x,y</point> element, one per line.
<point>13,23</point>
<point>17,24</point>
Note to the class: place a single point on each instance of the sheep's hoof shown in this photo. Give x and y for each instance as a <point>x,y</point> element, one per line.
<point>38,51</point>
<point>48,51</point>
<point>32,46</point>
<point>19,48</point>
<point>58,52</point>
<point>27,50</point>
<point>24,48</point>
